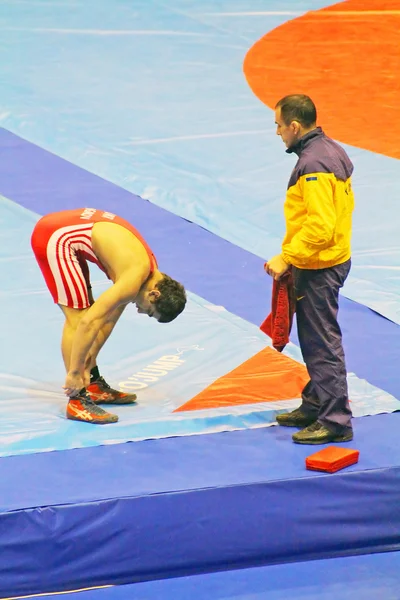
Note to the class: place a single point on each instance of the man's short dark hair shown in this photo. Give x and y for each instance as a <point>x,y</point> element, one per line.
<point>172,299</point>
<point>298,107</point>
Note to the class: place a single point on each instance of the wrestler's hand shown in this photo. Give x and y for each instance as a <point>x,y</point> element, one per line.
<point>73,384</point>
<point>276,267</point>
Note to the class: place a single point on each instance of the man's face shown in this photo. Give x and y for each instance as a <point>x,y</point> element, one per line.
<point>288,133</point>
<point>145,303</point>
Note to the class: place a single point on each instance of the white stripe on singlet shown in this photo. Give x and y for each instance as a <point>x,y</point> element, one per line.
<point>61,251</point>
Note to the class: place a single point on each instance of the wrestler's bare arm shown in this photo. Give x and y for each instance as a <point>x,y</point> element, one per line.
<point>104,310</point>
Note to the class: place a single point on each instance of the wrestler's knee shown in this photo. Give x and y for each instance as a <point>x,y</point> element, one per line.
<point>73,315</point>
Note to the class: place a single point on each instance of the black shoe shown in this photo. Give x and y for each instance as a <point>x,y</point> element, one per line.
<point>296,418</point>
<point>319,434</point>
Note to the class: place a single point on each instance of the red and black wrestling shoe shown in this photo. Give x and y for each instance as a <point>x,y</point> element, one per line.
<point>81,408</point>
<point>101,393</point>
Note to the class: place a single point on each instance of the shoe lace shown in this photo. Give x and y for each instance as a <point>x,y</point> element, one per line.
<point>314,426</point>
<point>91,406</point>
<point>104,383</point>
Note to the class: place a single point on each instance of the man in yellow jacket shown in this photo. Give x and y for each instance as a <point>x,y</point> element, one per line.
<point>318,214</point>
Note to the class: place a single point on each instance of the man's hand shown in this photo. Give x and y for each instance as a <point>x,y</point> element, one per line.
<point>276,267</point>
<point>73,384</point>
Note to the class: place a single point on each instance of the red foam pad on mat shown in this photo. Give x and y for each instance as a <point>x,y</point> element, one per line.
<point>332,459</point>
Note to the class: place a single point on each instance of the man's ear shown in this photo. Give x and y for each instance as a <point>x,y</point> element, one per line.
<point>154,294</point>
<point>296,127</point>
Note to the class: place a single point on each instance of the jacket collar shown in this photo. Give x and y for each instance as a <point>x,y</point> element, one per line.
<point>303,142</point>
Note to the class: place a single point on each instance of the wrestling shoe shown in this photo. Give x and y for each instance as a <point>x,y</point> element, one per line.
<point>101,393</point>
<point>81,408</point>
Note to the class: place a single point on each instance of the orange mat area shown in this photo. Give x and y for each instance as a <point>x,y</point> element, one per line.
<point>268,376</point>
<point>347,58</point>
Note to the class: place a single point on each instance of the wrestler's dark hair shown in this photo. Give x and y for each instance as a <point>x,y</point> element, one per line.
<point>172,299</point>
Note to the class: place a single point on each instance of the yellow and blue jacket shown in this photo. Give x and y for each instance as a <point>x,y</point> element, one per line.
<point>319,204</point>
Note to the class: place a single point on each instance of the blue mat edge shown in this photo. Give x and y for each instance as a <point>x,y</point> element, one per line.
<point>321,574</point>
<point>67,536</point>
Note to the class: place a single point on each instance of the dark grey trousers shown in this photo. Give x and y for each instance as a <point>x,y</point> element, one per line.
<point>317,303</point>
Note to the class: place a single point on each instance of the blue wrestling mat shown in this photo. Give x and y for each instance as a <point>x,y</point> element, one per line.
<point>367,577</point>
<point>142,109</point>
<point>165,366</point>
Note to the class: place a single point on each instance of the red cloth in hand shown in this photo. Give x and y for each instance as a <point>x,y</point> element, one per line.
<point>279,322</point>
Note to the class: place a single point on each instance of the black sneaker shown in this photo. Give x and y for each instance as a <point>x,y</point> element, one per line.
<point>319,434</point>
<point>296,418</point>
